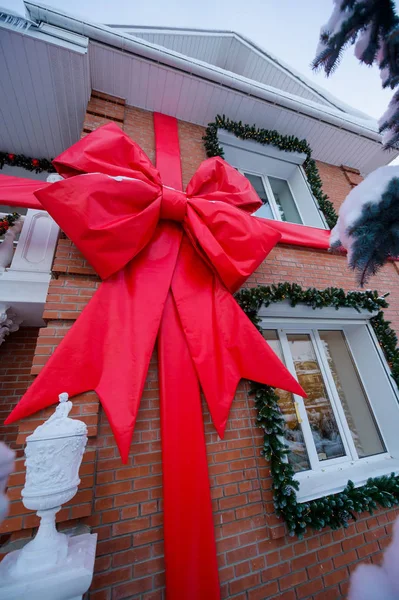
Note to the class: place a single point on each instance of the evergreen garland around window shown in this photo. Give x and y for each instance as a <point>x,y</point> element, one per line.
<point>289,143</point>
<point>335,510</point>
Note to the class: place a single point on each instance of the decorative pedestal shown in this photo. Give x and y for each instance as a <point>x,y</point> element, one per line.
<point>52,566</point>
<point>68,580</point>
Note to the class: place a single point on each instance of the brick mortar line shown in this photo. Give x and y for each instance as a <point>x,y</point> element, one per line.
<point>104,116</point>
<point>67,275</point>
<point>97,94</point>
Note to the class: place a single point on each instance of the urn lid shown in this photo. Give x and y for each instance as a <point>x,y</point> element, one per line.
<point>59,425</point>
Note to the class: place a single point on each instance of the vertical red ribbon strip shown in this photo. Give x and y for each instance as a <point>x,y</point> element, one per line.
<point>190,549</point>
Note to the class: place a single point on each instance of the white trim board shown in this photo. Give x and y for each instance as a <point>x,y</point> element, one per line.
<point>284,310</point>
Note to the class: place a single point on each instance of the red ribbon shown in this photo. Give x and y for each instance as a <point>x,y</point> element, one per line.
<point>170,262</point>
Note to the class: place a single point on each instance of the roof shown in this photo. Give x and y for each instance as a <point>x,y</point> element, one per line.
<point>49,68</point>
<point>233,52</point>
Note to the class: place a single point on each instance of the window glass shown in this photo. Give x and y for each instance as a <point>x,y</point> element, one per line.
<point>284,200</point>
<point>294,439</point>
<point>323,424</point>
<point>264,211</point>
<point>360,419</point>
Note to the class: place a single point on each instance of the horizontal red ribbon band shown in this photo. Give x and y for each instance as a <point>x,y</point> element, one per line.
<point>18,192</point>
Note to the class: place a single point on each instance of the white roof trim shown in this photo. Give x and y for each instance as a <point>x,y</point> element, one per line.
<point>284,310</point>
<point>266,54</point>
<point>129,44</point>
<point>229,139</point>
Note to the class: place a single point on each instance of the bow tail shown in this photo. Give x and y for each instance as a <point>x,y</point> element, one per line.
<point>109,347</point>
<point>190,550</point>
<point>224,345</point>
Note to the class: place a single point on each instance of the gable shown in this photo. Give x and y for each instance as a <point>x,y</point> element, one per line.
<point>231,52</point>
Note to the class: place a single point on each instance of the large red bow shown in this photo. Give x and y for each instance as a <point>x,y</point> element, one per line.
<point>170,261</point>
<point>113,206</point>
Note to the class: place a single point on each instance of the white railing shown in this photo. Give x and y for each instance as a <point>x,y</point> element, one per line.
<point>9,242</point>
<point>36,245</point>
<point>25,266</point>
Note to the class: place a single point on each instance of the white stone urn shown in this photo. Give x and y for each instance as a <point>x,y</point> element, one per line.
<point>53,566</point>
<point>53,457</point>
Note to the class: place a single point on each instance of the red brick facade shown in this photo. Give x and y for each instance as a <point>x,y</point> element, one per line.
<point>123,503</point>
<point>16,356</point>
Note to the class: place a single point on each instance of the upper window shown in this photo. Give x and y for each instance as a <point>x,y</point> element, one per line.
<point>346,427</point>
<point>276,195</point>
<point>278,179</point>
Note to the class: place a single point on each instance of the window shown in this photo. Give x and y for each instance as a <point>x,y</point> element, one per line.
<point>347,426</point>
<point>278,179</point>
<point>276,195</point>
<point>335,422</point>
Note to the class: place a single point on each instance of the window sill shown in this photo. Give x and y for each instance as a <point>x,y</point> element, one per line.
<point>334,479</point>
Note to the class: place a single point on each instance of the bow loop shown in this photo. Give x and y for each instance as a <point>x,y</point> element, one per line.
<point>216,180</point>
<point>234,242</point>
<point>110,151</point>
<point>109,219</point>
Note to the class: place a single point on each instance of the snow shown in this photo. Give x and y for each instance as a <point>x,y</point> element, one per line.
<point>384,73</point>
<point>370,190</point>
<point>362,43</point>
<point>333,25</point>
<point>370,582</point>
<point>387,117</point>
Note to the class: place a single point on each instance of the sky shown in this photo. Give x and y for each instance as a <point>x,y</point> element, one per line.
<point>287,28</point>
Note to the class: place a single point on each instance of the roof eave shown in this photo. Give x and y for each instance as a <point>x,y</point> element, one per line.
<point>158,54</point>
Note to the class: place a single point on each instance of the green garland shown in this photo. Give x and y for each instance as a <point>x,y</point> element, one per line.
<point>31,164</point>
<point>289,143</point>
<point>334,510</point>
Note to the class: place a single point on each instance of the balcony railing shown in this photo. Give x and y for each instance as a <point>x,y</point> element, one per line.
<point>33,251</point>
<point>26,256</point>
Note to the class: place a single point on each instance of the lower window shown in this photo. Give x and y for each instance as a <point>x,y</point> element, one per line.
<point>336,428</point>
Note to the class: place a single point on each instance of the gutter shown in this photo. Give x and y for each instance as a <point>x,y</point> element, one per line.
<point>174,60</point>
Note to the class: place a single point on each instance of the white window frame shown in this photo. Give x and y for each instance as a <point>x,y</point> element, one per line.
<point>268,161</point>
<point>270,195</point>
<point>331,476</point>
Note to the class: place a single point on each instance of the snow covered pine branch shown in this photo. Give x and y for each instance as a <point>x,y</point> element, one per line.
<point>373,26</point>
<point>368,224</point>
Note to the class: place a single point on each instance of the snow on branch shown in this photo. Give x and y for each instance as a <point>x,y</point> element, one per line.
<point>372,26</point>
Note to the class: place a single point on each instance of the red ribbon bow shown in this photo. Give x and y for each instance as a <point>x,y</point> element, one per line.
<point>170,262</point>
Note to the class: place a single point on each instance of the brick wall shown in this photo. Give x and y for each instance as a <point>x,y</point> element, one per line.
<point>123,503</point>
<point>16,356</point>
